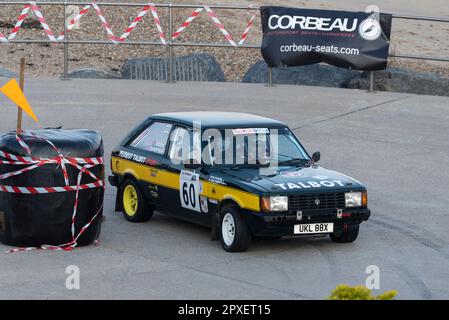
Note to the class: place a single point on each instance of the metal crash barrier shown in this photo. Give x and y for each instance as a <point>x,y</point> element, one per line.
<point>173,32</point>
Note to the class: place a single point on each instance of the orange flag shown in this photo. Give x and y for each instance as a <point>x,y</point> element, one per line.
<point>13,92</point>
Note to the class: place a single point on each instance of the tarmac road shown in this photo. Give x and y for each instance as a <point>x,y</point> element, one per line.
<point>397,144</point>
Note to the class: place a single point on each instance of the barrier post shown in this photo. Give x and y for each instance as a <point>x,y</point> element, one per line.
<point>270,77</point>
<point>170,43</point>
<point>21,85</point>
<point>371,81</point>
<point>65,75</point>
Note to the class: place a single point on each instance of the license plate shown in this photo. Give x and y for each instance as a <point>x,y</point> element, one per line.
<point>313,228</point>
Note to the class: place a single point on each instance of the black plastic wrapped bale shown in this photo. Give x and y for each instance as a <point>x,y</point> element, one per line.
<point>31,212</point>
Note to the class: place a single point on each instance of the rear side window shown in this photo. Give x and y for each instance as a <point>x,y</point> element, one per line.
<point>154,138</point>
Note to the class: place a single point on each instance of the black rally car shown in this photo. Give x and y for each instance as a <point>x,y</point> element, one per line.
<point>242,175</point>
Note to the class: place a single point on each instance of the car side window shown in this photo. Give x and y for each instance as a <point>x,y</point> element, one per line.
<point>154,138</point>
<point>181,145</point>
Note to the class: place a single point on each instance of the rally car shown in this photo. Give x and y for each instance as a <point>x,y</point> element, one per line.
<point>242,175</point>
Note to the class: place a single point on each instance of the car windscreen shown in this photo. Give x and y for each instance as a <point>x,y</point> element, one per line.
<point>251,146</point>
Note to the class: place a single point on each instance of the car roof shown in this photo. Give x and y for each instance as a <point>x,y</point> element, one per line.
<point>216,119</point>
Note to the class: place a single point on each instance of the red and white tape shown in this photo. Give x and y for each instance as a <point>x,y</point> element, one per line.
<point>110,34</point>
<point>220,26</point>
<point>82,164</point>
<point>40,16</point>
<point>186,23</point>
<point>133,24</point>
<point>72,23</point>
<point>248,27</point>
<point>104,23</point>
<point>70,26</point>
<point>157,21</point>
<point>24,14</point>
<point>217,23</point>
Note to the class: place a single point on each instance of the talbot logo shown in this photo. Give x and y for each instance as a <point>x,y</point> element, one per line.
<point>299,215</point>
<point>317,202</point>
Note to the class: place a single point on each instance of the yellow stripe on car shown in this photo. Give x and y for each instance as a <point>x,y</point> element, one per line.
<point>171,180</point>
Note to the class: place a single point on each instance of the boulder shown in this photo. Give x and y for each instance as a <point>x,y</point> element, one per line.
<point>195,67</point>
<point>311,75</point>
<point>403,80</point>
<point>87,73</point>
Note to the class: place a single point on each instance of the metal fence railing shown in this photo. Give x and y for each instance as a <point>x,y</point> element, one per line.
<point>170,43</point>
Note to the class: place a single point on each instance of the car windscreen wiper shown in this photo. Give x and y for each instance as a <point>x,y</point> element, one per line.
<point>249,165</point>
<point>293,160</point>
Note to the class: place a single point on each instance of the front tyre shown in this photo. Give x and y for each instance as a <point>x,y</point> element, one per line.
<point>234,233</point>
<point>135,207</point>
<point>348,236</point>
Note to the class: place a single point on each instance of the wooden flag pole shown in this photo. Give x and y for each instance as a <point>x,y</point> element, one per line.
<point>21,84</point>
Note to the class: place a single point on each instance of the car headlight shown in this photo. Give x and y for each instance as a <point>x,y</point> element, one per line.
<point>353,199</point>
<point>274,203</point>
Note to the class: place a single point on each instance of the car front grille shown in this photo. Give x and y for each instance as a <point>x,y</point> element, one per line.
<point>333,200</point>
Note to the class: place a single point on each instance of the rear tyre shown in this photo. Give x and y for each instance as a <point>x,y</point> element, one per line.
<point>233,230</point>
<point>135,207</point>
<point>346,236</point>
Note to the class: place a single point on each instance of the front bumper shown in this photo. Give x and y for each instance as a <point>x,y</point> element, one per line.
<point>281,224</point>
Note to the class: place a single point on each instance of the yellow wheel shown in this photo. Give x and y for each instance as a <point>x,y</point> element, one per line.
<point>130,200</point>
<point>135,207</point>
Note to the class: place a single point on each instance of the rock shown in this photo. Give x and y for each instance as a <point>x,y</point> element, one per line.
<point>7,74</point>
<point>403,80</point>
<point>195,67</point>
<point>93,74</point>
<point>391,79</point>
<point>311,75</point>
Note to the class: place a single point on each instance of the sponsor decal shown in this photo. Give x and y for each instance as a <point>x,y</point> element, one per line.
<point>339,213</point>
<point>370,29</point>
<point>139,138</point>
<point>204,204</point>
<point>151,162</point>
<point>250,131</point>
<point>309,184</point>
<point>352,40</point>
<point>189,190</point>
<point>132,156</point>
<point>311,23</point>
<point>217,180</point>
<point>157,147</point>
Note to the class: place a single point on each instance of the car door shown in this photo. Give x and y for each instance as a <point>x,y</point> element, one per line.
<point>190,204</point>
<point>149,148</point>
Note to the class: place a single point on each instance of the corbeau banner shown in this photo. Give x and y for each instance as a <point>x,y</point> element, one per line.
<point>353,40</point>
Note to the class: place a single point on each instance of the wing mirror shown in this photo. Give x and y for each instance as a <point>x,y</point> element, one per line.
<point>316,156</point>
